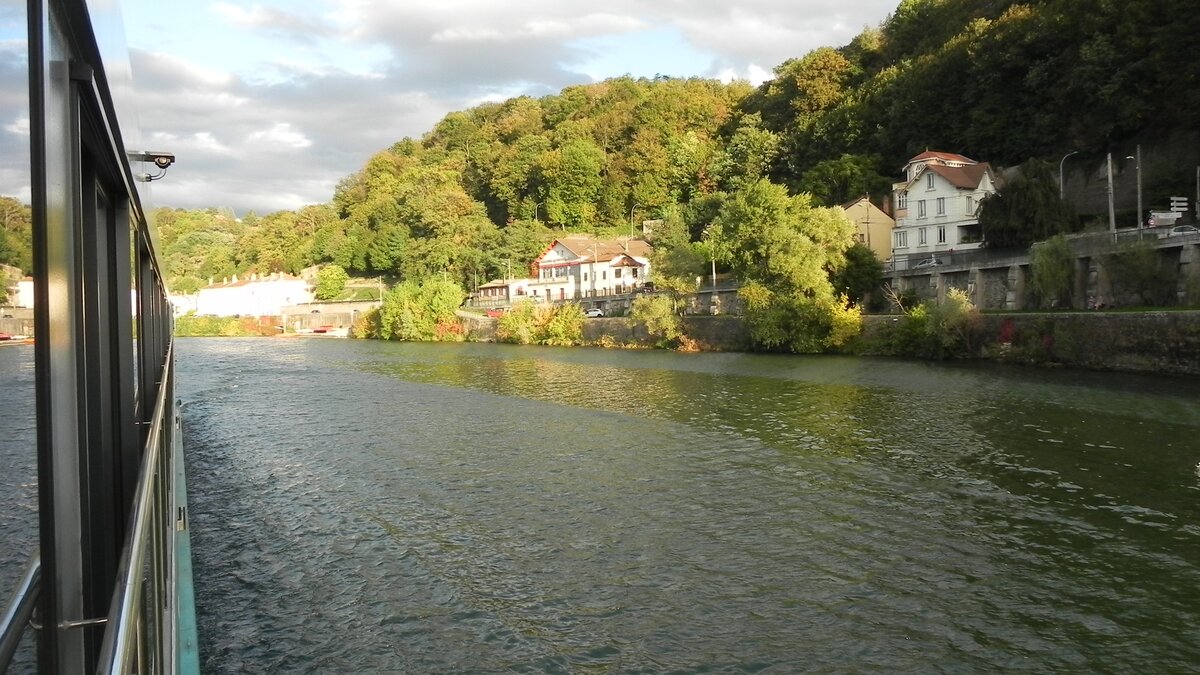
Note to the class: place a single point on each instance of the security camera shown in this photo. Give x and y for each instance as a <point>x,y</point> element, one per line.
<point>162,160</point>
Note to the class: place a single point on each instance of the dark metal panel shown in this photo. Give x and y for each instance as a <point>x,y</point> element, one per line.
<point>55,207</point>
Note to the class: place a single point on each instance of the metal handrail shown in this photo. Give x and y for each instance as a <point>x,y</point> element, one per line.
<point>127,628</point>
<point>20,609</point>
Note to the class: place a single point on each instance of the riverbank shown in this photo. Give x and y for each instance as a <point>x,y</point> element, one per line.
<point>1141,342</point>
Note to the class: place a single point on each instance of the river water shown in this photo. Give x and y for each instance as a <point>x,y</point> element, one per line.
<point>360,506</point>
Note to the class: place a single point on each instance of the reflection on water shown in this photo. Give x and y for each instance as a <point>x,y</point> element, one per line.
<point>361,506</point>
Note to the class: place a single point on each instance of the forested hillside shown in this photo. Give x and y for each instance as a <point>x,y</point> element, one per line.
<point>476,197</point>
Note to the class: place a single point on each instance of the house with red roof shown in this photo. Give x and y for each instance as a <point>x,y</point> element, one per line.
<point>582,266</point>
<point>937,205</point>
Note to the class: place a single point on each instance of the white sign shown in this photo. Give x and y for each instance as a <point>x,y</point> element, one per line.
<point>1164,217</point>
<point>1179,203</point>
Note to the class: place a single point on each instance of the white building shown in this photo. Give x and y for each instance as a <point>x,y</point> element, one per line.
<point>256,296</point>
<point>581,266</point>
<point>937,205</point>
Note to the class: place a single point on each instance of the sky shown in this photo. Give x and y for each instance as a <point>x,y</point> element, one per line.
<point>268,105</point>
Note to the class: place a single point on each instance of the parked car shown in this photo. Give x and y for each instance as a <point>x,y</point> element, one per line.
<point>929,262</point>
<point>1179,230</point>
<point>593,312</point>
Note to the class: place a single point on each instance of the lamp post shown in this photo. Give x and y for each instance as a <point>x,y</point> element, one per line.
<point>1137,164</point>
<point>1062,194</point>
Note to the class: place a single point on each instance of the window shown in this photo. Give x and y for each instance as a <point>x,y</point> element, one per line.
<point>941,234</point>
<point>929,181</point>
<point>633,272</point>
<point>921,208</point>
<point>970,205</point>
<point>862,238</point>
<point>585,276</point>
<point>902,199</point>
<point>901,240</point>
<point>941,206</point>
<point>921,237</point>
<point>603,274</point>
<point>617,273</point>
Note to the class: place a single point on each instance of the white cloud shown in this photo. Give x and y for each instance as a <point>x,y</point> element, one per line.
<point>19,127</point>
<point>268,104</point>
<point>281,134</point>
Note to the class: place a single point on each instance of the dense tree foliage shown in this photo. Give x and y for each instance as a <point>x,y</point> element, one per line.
<point>1028,209</point>
<point>16,249</point>
<point>331,281</point>
<point>783,249</point>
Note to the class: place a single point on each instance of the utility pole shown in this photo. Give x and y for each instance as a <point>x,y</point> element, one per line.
<point>1112,214</point>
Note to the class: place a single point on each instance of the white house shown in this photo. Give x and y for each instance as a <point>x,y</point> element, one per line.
<point>256,296</point>
<point>937,204</point>
<point>500,292</point>
<point>581,266</point>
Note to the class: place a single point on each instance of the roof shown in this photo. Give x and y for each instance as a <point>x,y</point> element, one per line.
<point>254,279</point>
<point>944,156</point>
<point>585,245</point>
<point>967,177</point>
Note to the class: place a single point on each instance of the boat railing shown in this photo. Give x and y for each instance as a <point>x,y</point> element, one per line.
<point>141,630</point>
<point>143,627</point>
<point>16,616</point>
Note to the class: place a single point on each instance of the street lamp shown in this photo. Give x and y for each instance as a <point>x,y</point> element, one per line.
<point>1061,191</point>
<point>1137,164</point>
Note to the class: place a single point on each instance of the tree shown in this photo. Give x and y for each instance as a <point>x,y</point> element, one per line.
<point>658,313</point>
<point>862,274</point>
<point>784,249</point>
<point>16,234</point>
<point>1028,209</point>
<point>1053,271</point>
<point>572,180</point>
<point>331,281</point>
<point>838,181</point>
<point>422,311</point>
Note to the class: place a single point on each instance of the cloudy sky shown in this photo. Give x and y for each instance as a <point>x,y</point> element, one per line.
<point>267,105</point>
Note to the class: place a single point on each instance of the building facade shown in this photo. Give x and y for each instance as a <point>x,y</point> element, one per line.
<point>873,227</point>
<point>256,296</point>
<point>937,205</point>
<point>577,267</point>
<point>582,266</point>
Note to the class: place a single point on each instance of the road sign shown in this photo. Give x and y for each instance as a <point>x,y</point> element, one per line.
<point>1164,217</point>
<point>1179,203</point>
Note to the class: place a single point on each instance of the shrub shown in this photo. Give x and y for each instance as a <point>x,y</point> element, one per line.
<point>422,311</point>
<point>1053,272</point>
<point>662,323</point>
<point>528,323</point>
<point>933,331</point>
